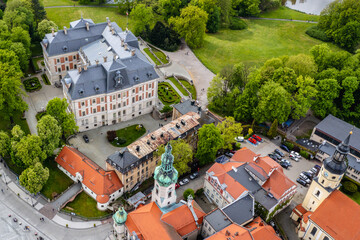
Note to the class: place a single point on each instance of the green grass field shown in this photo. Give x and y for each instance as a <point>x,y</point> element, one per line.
<point>189,87</point>
<point>6,126</point>
<point>160,55</point>
<point>177,84</point>
<point>98,15</point>
<point>130,134</point>
<point>287,13</point>
<point>150,55</point>
<point>57,182</point>
<point>48,3</point>
<point>262,40</point>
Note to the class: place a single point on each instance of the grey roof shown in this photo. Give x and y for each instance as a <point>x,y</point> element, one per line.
<point>187,106</point>
<point>81,23</point>
<point>339,130</point>
<point>241,210</point>
<point>330,149</point>
<point>124,160</point>
<point>264,199</point>
<point>244,178</point>
<point>254,169</point>
<point>137,197</point>
<point>218,220</point>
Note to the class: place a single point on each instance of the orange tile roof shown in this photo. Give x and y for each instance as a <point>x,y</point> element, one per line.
<point>339,216</point>
<point>182,219</point>
<point>145,222</point>
<point>102,183</point>
<point>233,231</point>
<point>299,210</point>
<point>260,230</point>
<point>278,183</point>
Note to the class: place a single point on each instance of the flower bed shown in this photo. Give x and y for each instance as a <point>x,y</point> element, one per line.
<point>167,94</point>
<point>32,84</point>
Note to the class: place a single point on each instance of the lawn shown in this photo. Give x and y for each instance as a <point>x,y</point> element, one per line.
<point>160,55</point>
<point>177,84</point>
<point>97,14</point>
<point>34,62</point>
<point>6,125</point>
<point>147,51</point>
<point>83,205</point>
<point>287,13</point>
<point>262,40</point>
<point>167,94</point>
<point>36,49</point>
<point>130,134</point>
<point>58,182</point>
<point>48,3</point>
<point>355,197</point>
<point>189,87</point>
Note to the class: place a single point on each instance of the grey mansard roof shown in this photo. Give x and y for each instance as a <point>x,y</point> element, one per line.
<point>122,160</point>
<point>81,23</point>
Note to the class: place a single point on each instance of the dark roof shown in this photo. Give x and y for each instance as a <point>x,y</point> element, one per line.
<point>187,106</point>
<point>335,167</point>
<point>330,149</point>
<point>81,23</point>
<point>122,160</point>
<point>241,210</point>
<point>244,178</point>
<point>218,220</point>
<point>339,130</point>
<point>265,199</point>
<point>254,169</point>
<point>222,159</point>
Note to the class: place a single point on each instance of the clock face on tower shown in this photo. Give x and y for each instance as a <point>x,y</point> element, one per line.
<point>326,174</point>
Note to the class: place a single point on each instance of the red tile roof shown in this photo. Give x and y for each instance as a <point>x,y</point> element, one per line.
<point>278,183</point>
<point>102,183</point>
<point>182,219</point>
<point>339,216</point>
<point>145,222</point>
<point>260,230</point>
<point>299,210</point>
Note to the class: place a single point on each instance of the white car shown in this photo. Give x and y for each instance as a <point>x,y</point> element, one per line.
<point>184,181</point>
<point>293,153</point>
<point>239,139</point>
<point>305,178</point>
<point>295,158</point>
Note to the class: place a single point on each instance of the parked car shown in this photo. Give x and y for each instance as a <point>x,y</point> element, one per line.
<point>259,139</point>
<point>305,178</point>
<point>184,181</point>
<point>315,170</point>
<point>293,153</point>
<point>284,148</point>
<point>86,138</point>
<point>177,185</point>
<point>277,156</point>
<point>239,139</point>
<point>284,165</point>
<point>286,161</point>
<point>252,140</point>
<point>302,182</point>
<point>295,158</point>
<point>279,152</point>
<point>233,151</point>
<point>318,167</point>
<point>194,175</point>
<point>309,175</point>
<point>272,156</point>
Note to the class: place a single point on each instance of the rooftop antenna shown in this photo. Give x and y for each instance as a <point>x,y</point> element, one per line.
<point>127,19</point>
<point>81,16</point>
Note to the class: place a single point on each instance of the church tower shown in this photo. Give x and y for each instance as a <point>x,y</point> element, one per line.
<point>165,177</point>
<point>329,178</point>
<point>119,223</point>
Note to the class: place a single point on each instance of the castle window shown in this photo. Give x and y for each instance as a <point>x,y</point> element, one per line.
<point>157,191</point>
<point>322,182</point>
<point>313,231</point>
<point>317,194</point>
<point>325,238</point>
<point>169,194</point>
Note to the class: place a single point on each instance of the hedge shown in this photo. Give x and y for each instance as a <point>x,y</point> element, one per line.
<point>45,79</point>
<point>289,145</point>
<point>32,84</point>
<point>350,187</point>
<point>305,154</point>
<point>169,96</point>
<point>237,24</point>
<point>318,33</point>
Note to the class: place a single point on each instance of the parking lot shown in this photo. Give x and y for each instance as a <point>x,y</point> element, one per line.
<point>268,146</point>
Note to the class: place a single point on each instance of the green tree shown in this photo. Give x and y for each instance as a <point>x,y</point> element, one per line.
<point>274,103</point>
<point>191,25</point>
<point>4,144</point>
<point>304,97</point>
<point>57,108</point>
<point>213,11</point>
<point>170,8</point>
<point>188,192</point>
<point>225,11</point>
<point>29,150</point>
<point>273,129</point>
<point>182,152</point>
<point>17,133</point>
<point>209,143</point>
<point>302,64</point>
<point>246,8</point>
<point>286,77</point>
<point>141,16</point>
<point>45,27</point>
<point>320,54</point>
<point>350,85</point>
<point>39,11</point>
<point>34,178</point>
<point>247,101</point>
<point>229,129</point>
<point>11,101</point>
<point>49,132</point>
<point>20,17</point>
<point>21,53</point>
<point>328,91</point>
<point>20,35</point>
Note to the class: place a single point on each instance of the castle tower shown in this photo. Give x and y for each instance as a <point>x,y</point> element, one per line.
<point>165,177</point>
<point>329,178</point>
<point>119,223</point>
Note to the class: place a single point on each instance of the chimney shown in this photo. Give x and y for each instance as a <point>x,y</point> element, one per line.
<point>132,52</point>
<point>127,30</point>
<point>112,31</point>
<point>79,68</point>
<point>122,42</point>
<point>85,67</point>
<point>227,233</point>
<point>65,30</point>
<point>87,26</point>
<point>97,62</point>
<point>105,58</point>
<point>125,46</point>
<point>108,21</point>
<point>115,57</point>
<point>53,32</point>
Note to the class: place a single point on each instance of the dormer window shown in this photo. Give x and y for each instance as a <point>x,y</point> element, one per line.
<point>136,78</point>
<point>97,88</point>
<point>81,91</point>
<point>118,79</point>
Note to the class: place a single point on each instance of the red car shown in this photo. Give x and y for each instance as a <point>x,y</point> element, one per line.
<point>177,185</point>
<point>259,139</point>
<point>252,140</point>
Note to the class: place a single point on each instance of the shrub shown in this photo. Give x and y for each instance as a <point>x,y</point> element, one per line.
<point>138,127</point>
<point>39,115</point>
<point>349,187</point>
<point>164,37</point>
<point>237,24</point>
<point>199,192</point>
<point>166,109</point>
<point>111,135</point>
<point>289,145</point>
<point>318,33</point>
<point>45,79</point>
<point>42,63</point>
<point>32,84</point>
<point>121,140</point>
<point>305,154</point>
<point>188,192</point>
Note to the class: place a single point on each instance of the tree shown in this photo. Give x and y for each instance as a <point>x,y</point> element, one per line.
<point>213,11</point>
<point>209,143</point>
<point>4,144</point>
<point>20,35</point>
<point>125,6</point>
<point>350,85</point>
<point>320,54</point>
<point>191,25</point>
<point>183,155</point>
<point>49,132</point>
<point>20,17</point>
<point>188,192</point>
<point>164,37</point>
<point>16,135</point>
<point>170,8</point>
<point>286,77</point>
<point>39,11</point>
<point>304,97</point>
<point>302,64</point>
<point>274,103</point>
<point>229,129</point>
<point>11,93</point>
<point>328,90</point>
<point>273,129</point>
<point>45,27</point>
<point>141,16</point>
<point>29,150</point>
<point>246,8</point>
<point>34,178</point>
<point>225,11</point>
<point>247,101</point>
<point>57,108</point>
<point>21,53</point>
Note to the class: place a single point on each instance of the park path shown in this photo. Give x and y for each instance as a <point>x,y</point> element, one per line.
<point>278,19</point>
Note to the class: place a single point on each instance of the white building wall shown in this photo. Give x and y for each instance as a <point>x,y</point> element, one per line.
<point>168,194</point>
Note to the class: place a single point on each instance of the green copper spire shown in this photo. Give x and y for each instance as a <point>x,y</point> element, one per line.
<point>166,174</point>
<point>120,216</point>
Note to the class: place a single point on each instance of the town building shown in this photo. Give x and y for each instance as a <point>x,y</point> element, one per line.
<point>113,81</point>
<point>136,163</point>
<point>326,213</point>
<point>247,172</point>
<point>330,132</point>
<point>162,218</point>
<point>103,186</point>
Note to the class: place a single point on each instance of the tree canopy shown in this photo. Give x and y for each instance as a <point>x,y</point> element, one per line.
<point>34,178</point>
<point>50,133</point>
<point>45,27</point>
<point>229,129</point>
<point>141,16</point>
<point>210,141</point>
<point>29,151</point>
